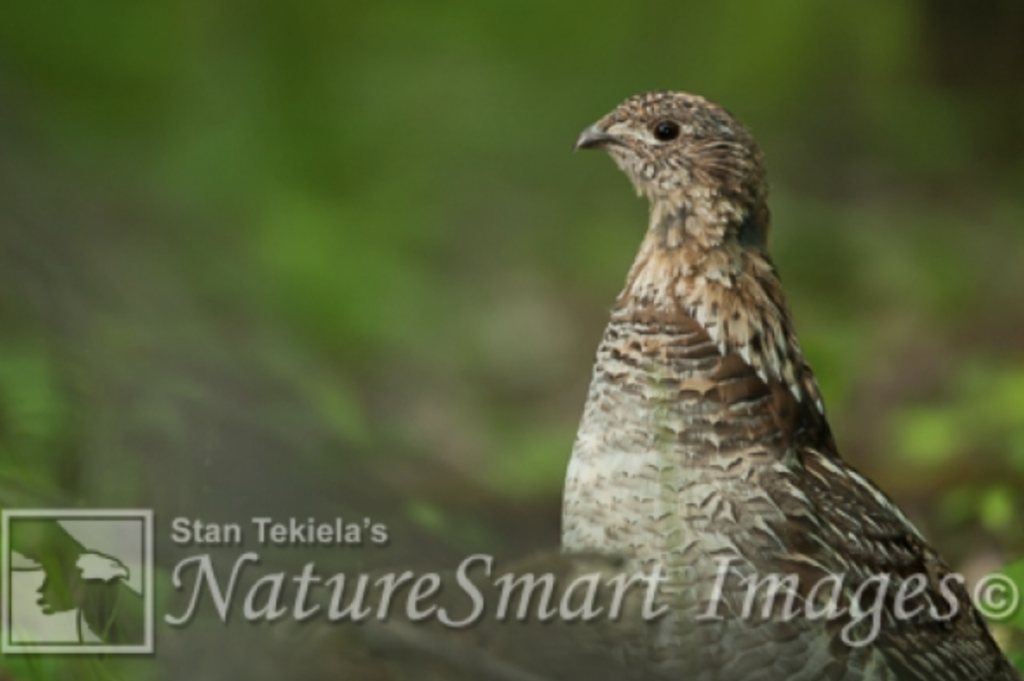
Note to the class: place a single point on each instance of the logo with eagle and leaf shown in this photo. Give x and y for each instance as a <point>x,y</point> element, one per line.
<point>77,581</point>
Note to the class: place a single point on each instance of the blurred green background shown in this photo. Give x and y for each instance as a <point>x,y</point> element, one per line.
<point>320,258</point>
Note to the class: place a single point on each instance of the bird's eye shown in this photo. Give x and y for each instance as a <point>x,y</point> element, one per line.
<point>666,130</point>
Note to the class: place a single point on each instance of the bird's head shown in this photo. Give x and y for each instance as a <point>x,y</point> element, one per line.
<point>673,144</point>
<point>96,566</point>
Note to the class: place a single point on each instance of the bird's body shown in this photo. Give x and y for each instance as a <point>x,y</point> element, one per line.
<point>704,445</point>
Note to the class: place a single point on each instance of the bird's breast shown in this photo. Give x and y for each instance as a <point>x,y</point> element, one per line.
<point>677,449</point>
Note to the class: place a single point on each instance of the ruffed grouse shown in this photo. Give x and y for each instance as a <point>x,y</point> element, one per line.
<point>704,446</point>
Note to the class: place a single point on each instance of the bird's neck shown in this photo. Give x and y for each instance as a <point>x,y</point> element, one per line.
<point>695,261</point>
<point>690,244</point>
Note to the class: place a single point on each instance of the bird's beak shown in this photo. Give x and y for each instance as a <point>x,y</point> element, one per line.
<point>594,138</point>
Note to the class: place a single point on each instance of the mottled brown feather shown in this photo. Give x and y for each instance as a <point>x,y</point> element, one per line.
<point>704,437</point>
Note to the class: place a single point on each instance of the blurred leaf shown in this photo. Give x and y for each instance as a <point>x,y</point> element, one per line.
<point>959,505</point>
<point>426,515</point>
<point>532,461</point>
<point>30,406</point>
<point>462,532</point>
<point>1017,450</point>
<point>330,395</point>
<point>1015,571</point>
<point>997,508</point>
<point>927,436</point>
<point>1007,398</point>
<point>339,274</point>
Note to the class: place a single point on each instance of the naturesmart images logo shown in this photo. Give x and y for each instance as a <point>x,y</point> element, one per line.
<point>83,582</point>
<point>77,581</point>
<point>865,604</point>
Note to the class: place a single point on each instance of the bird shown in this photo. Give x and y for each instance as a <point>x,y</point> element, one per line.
<point>91,583</point>
<point>704,448</point>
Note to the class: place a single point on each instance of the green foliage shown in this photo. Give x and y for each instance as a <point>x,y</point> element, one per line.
<point>464,533</point>
<point>364,236</point>
<point>984,412</point>
<point>1015,571</point>
<point>34,424</point>
<point>531,460</point>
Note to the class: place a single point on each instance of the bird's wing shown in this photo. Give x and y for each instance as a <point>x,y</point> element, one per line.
<point>844,524</point>
<point>839,523</point>
<point>935,635</point>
